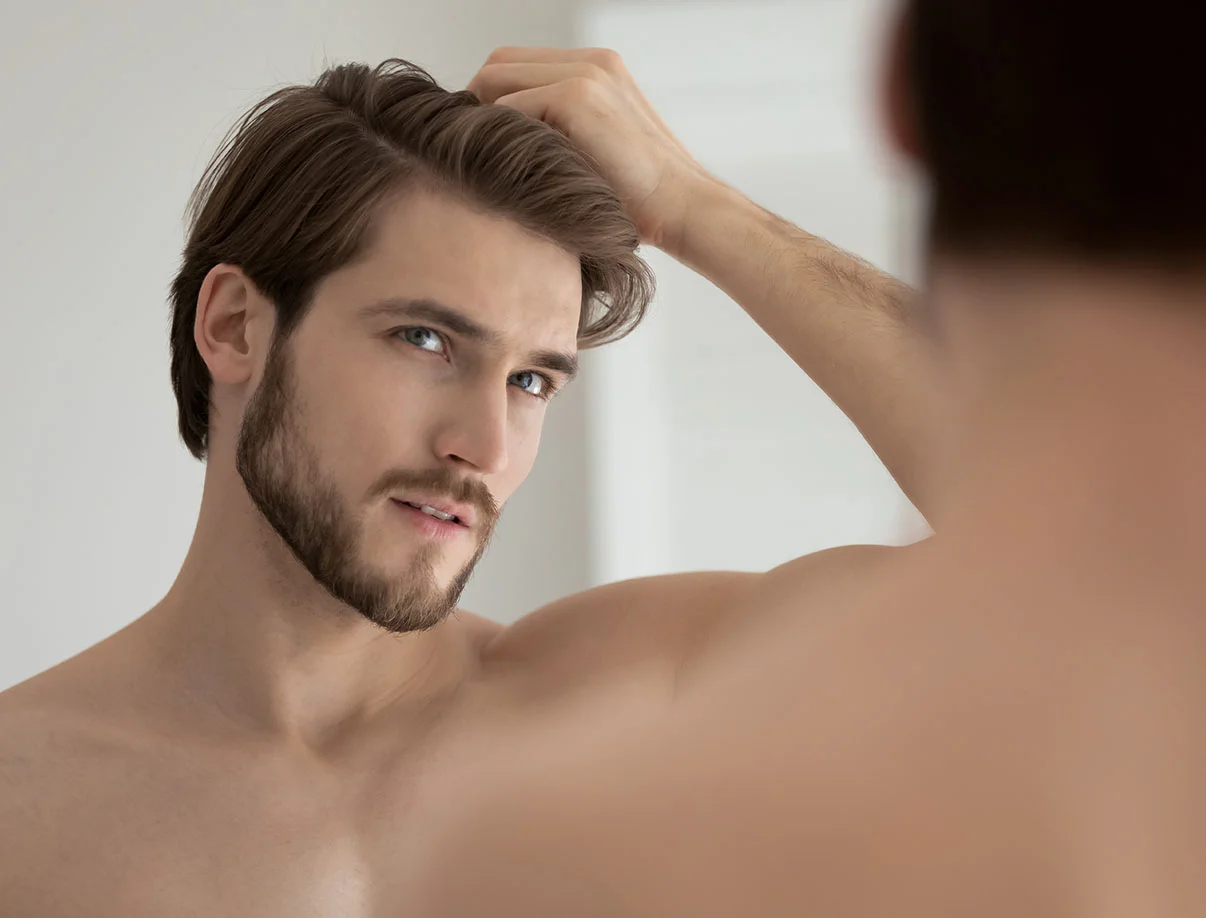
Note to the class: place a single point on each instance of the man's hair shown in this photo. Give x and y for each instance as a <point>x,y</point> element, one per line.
<point>1062,127</point>
<point>292,193</point>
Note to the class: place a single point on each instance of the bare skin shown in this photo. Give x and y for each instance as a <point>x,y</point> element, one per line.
<point>867,731</point>
<point>928,731</point>
<point>250,746</point>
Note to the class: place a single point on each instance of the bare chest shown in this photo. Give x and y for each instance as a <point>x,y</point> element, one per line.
<point>483,821</point>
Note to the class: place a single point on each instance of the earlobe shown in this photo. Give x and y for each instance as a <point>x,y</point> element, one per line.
<point>228,327</point>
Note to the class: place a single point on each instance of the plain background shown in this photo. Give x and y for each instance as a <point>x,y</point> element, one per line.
<point>694,444</point>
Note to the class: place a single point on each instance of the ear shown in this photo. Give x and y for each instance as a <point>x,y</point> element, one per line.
<point>234,325</point>
<point>897,106</point>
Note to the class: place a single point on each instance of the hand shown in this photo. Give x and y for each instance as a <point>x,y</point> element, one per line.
<point>590,97</point>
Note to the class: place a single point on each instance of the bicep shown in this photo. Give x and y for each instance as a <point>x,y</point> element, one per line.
<point>650,622</point>
<point>780,605</point>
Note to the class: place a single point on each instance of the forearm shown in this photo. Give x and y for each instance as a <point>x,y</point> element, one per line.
<point>845,323</point>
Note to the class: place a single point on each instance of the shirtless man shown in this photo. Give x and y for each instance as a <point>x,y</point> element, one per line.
<point>1006,719</point>
<point>300,727</point>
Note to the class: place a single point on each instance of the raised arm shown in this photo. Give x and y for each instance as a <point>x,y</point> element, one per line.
<point>845,323</point>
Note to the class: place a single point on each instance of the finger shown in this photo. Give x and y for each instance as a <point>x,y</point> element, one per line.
<point>544,103</point>
<point>494,81</point>
<point>570,88</point>
<point>604,58</point>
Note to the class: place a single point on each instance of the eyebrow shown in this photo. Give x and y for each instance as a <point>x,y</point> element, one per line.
<point>425,310</point>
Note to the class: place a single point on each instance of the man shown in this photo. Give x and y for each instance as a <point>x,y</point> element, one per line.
<point>1004,720</point>
<point>1007,719</point>
<point>383,285</point>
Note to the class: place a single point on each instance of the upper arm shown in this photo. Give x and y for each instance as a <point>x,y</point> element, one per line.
<point>775,606</point>
<point>669,625</point>
<point>645,623</point>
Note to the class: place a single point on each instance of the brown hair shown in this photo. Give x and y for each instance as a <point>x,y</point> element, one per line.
<point>1062,128</point>
<point>291,195</point>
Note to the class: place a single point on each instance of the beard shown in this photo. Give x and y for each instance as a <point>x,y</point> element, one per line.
<point>286,482</point>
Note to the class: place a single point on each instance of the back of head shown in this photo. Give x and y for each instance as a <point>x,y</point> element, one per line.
<point>1063,128</point>
<point>292,194</point>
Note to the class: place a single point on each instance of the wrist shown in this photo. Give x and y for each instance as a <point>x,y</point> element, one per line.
<point>709,206</point>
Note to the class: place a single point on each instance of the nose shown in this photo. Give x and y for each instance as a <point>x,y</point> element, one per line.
<point>473,430</point>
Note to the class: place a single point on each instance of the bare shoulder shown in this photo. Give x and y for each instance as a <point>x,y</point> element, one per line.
<point>986,752</point>
<point>76,712</point>
<point>22,736</point>
<point>32,714</point>
<point>40,737</point>
<point>76,762</point>
<point>45,721</point>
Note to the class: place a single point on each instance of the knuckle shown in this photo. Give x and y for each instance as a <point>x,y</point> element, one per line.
<point>593,72</point>
<point>582,90</point>
<point>500,55</point>
<point>607,60</point>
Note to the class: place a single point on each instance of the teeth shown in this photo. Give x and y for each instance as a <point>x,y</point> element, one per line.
<point>432,511</point>
<point>438,514</point>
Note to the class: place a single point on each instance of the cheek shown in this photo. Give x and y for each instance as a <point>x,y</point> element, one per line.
<point>360,421</point>
<point>524,446</point>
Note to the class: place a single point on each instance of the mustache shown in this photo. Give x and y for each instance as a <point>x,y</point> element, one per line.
<point>443,483</point>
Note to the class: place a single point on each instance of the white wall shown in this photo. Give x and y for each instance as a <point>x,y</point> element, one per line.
<point>714,450</point>
<point>108,113</point>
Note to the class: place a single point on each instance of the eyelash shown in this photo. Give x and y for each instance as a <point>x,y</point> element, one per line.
<point>550,386</point>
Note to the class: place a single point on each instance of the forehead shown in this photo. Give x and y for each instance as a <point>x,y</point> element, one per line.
<point>431,246</point>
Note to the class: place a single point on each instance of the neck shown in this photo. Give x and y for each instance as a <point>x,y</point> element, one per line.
<point>252,637</point>
<point>1077,408</point>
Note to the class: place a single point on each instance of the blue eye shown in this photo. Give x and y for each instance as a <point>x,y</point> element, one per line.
<point>532,383</point>
<point>424,338</point>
